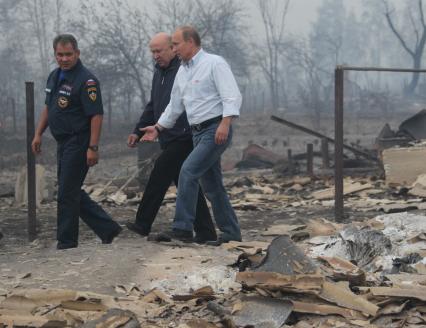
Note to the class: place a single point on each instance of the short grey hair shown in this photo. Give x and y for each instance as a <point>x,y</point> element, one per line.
<point>64,39</point>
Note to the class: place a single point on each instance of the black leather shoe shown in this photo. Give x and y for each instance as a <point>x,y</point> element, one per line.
<point>202,240</point>
<point>137,228</point>
<point>110,238</point>
<point>65,246</point>
<point>218,242</point>
<point>176,234</point>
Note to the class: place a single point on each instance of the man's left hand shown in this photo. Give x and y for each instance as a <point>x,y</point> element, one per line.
<point>92,157</point>
<point>221,133</point>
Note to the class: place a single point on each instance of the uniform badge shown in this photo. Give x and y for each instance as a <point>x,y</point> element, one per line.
<point>92,93</point>
<point>90,83</point>
<point>63,102</point>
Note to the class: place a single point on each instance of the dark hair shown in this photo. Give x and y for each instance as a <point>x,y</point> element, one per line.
<point>188,32</point>
<point>64,39</point>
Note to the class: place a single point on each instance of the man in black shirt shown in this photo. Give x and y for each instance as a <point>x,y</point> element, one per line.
<point>74,114</point>
<point>176,144</point>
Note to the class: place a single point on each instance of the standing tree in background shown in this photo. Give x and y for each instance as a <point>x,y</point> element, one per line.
<point>13,59</point>
<point>173,13</point>
<point>335,39</point>
<point>313,91</point>
<point>41,27</point>
<point>327,36</point>
<point>116,37</point>
<point>223,32</point>
<point>417,36</point>
<point>273,13</point>
<point>220,24</point>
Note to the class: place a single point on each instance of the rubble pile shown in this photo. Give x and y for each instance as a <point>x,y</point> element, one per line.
<point>317,274</point>
<point>370,274</point>
<point>363,194</point>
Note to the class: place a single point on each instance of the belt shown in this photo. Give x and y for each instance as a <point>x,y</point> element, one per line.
<point>198,127</point>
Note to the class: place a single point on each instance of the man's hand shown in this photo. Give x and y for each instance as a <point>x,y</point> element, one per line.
<point>132,140</point>
<point>150,133</point>
<point>92,157</point>
<point>36,145</point>
<point>222,132</point>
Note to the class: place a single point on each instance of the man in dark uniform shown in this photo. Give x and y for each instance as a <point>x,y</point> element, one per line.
<point>176,145</point>
<point>74,115</point>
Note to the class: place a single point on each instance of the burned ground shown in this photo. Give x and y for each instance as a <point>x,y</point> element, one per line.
<point>159,282</point>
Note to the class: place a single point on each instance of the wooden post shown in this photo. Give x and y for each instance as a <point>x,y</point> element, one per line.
<point>338,145</point>
<point>310,159</point>
<point>324,153</point>
<point>31,169</point>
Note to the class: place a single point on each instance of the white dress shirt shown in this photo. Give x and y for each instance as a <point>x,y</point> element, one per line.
<point>205,88</point>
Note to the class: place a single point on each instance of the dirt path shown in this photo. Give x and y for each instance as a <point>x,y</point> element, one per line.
<point>131,259</point>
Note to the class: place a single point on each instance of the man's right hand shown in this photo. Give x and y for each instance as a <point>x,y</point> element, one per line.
<point>36,145</point>
<point>132,140</point>
<point>150,133</point>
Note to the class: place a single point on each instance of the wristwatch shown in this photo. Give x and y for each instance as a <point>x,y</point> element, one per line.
<point>94,147</point>
<point>157,129</point>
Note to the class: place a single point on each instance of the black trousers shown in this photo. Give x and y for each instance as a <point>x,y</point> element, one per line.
<point>73,202</point>
<point>166,170</point>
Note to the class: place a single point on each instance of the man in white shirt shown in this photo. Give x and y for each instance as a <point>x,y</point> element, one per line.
<point>206,89</point>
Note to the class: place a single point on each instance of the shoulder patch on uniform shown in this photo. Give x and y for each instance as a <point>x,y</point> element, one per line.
<point>92,93</point>
<point>90,82</point>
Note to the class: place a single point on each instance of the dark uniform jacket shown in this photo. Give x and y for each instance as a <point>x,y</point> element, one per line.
<point>72,101</point>
<point>162,83</point>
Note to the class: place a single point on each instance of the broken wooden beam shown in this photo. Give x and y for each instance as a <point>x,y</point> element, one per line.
<point>319,135</point>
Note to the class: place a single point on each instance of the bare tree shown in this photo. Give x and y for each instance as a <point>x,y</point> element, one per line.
<point>59,8</point>
<point>273,13</point>
<point>12,58</point>
<point>327,36</point>
<point>223,30</point>
<point>173,13</point>
<point>37,12</point>
<point>40,25</point>
<point>117,36</point>
<point>220,24</point>
<point>415,51</point>
<point>313,90</point>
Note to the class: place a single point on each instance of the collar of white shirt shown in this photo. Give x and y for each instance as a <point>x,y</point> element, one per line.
<point>195,59</point>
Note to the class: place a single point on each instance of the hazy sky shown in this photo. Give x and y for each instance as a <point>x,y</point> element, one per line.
<point>301,15</point>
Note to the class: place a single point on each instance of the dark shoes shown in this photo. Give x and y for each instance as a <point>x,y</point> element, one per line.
<point>202,240</point>
<point>107,240</point>
<point>219,242</point>
<point>137,228</point>
<point>1,235</point>
<point>63,246</point>
<point>110,238</point>
<point>176,234</point>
